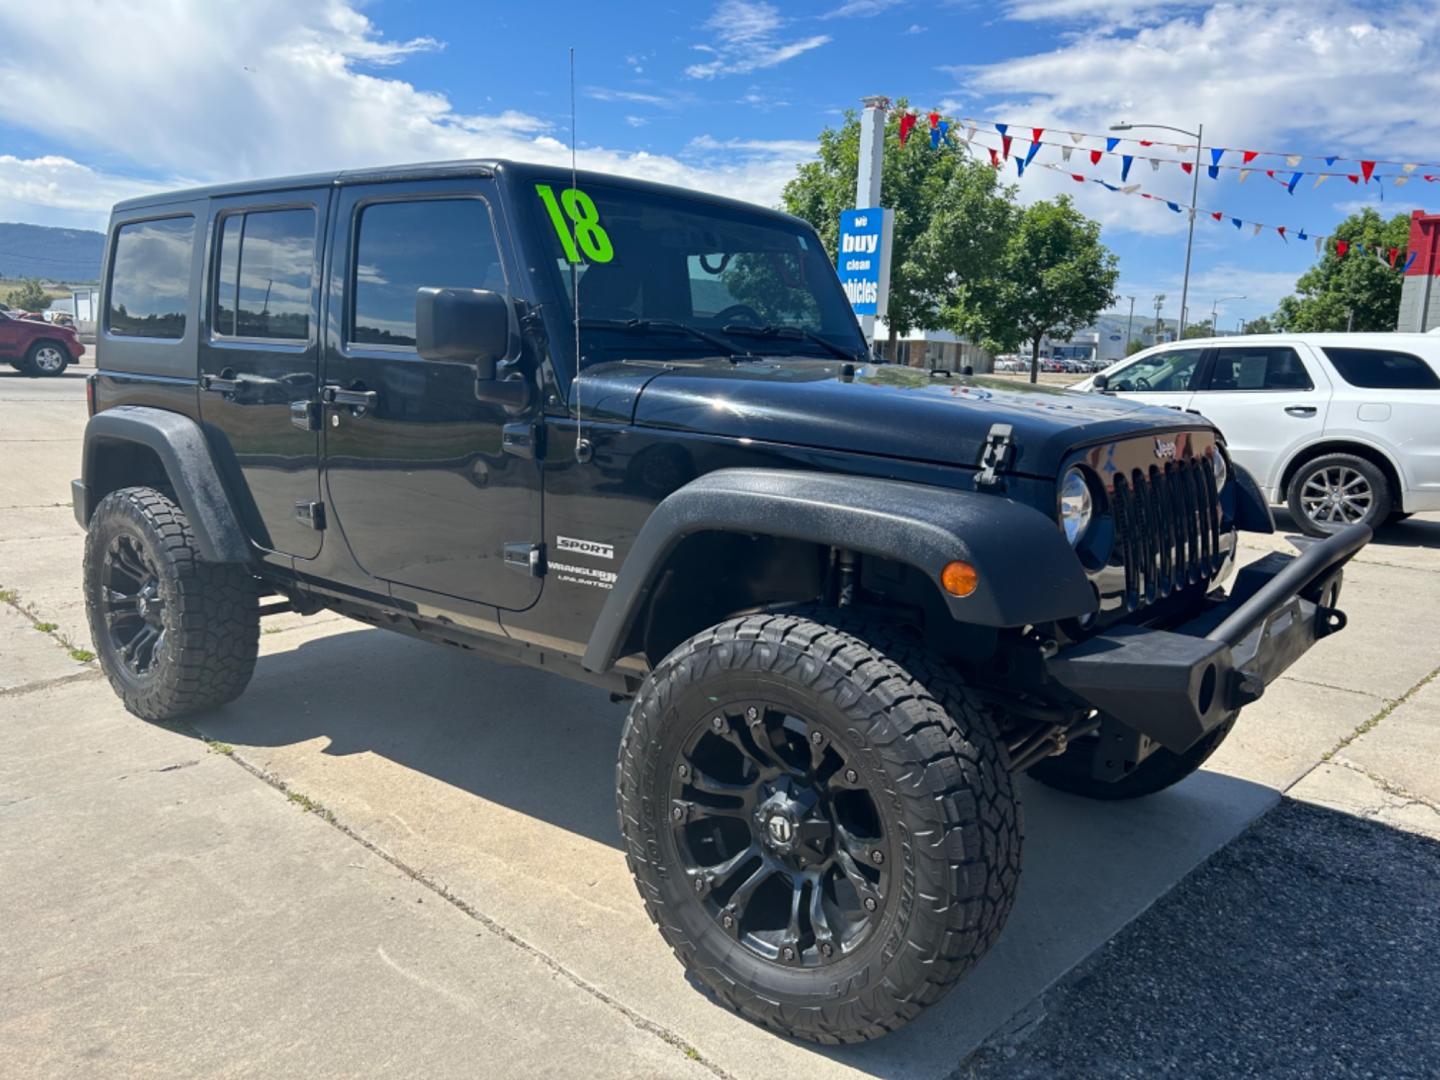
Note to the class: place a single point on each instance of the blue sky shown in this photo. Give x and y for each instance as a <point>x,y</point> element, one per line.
<point>104,100</point>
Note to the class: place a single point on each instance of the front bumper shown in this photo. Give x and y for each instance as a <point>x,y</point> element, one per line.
<point>1174,685</point>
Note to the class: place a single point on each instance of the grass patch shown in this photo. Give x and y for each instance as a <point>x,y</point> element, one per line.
<point>272,629</point>
<point>47,627</point>
<point>81,656</point>
<point>215,746</point>
<point>9,596</point>
<point>309,805</point>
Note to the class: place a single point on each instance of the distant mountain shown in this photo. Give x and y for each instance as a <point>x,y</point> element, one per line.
<point>67,255</point>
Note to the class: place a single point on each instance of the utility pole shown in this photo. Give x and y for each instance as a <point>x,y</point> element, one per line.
<point>867,180</point>
<point>1129,324</point>
<point>1159,303</point>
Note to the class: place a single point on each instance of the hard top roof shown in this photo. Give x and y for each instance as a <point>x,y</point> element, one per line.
<point>437,170</point>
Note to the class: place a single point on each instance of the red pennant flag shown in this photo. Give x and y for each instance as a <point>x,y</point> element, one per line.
<point>1146,142</point>
<point>1341,246</point>
<point>1095,158</point>
<point>907,123</point>
<point>1352,178</point>
<point>1281,230</point>
<point>1077,178</point>
<point>1217,215</point>
<point>1249,156</point>
<point>1366,168</point>
<point>1393,253</point>
<point>1035,134</point>
<point>994,157</point>
<point>1005,146</point>
<point>934,119</point>
<point>1270,173</point>
<point>1188,166</point>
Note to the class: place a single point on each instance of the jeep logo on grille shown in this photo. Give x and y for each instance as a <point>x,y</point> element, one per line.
<point>1164,449</point>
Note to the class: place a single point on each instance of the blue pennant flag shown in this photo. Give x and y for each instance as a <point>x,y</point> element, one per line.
<point>934,138</point>
<point>1020,164</point>
<point>1108,187</point>
<point>1030,154</point>
<point>1126,160</point>
<point>1409,262</point>
<point>1236,222</point>
<point>1173,206</point>
<point>1330,161</point>
<point>1002,128</point>
<point>1215,154</point>
<point>945,130</point>
<point>1110,145</point>
<point>1294,179</point>
<point>1301,235</point>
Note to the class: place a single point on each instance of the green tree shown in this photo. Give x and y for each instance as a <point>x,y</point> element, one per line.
<point>29,296</point>
<point>1199,330</point>
<point>1054,277</point>
<point>1353,292</point>
<point>1262,325</point>
<point>951,216</point>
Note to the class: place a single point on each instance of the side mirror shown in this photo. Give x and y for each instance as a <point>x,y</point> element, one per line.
<point>463,325</point>
<point>1100,382</point>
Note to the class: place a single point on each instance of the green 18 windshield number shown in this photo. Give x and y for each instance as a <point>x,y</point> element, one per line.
<point>588,235</point>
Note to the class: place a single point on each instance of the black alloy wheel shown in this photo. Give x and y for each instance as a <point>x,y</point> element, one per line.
<point>132,606</point>
<point>777,837</point>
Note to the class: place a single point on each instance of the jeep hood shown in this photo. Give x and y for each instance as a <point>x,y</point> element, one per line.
<point>885,409</point>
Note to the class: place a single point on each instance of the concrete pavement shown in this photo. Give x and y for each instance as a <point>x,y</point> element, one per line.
<point>489,790</point>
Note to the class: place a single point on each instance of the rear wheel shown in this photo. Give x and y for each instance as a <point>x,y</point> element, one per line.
<point>46,358</point>
<point>1337,490</point>
<point>824,843</point>
<point>1071,771</point>
<point>175,635</point>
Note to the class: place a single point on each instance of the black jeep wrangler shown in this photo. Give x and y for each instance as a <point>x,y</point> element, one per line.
<point>631,434</point>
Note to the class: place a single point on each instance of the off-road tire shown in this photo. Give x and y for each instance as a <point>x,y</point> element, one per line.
<point>32,366</point>
<point>211,612</point>
<point>933,762</point>
<point>1383,498</point>
<point>1070,771</point>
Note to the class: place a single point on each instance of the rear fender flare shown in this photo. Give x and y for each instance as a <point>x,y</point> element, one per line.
<point>180,446</point>
<point>1028,573</point>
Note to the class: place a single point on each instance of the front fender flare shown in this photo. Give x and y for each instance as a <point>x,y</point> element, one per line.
<point>185,456</point>
<point>1028,573</point>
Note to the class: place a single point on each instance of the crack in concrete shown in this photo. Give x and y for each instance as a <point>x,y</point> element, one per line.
<point>1391,704</point>
<point>46,684</point>
<point>1406,797</point>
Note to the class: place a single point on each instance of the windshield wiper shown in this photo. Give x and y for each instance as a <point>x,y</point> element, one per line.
<point>798,333</point>
<point>643,326</point>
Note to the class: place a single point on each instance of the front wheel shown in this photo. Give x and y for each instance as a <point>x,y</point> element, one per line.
<point>175,635</point>
<point>1337,490</point>
<point>46,358</point>
<point>827,844</point>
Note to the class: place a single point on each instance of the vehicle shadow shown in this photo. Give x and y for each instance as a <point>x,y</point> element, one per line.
<point>545,748</point>
<point>1420,531</point>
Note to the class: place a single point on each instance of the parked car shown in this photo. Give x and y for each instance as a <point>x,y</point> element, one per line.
<point>847,601</point>
<point>1342,428</point>
<point>35,347</point>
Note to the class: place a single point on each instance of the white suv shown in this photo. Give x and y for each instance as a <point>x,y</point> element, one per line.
<point>1341,427</point>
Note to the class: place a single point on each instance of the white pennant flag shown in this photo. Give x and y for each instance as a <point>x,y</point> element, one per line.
<point>1066,151</point>
<point>1076,136</point>
<point>1154,164</point>
<point>1407,169</point>
<point>1258,227</point>
<point>1401,181</point>
<point>970,133</point>
<point>1292,160</point>
<point>1130,189</point>
<point>1181,147</point>
<point>1244,175</point>
<point>1321,178</point>
<point>1319,243</point>
<point>1191,213</point>
<point>968,122</point>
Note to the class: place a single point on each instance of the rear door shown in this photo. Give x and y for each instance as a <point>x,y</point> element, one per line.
<point>420,481</point>
<point>1268,400</point>
<point>259,360</point>
<point>1161,378</point>
<point>9,338</point>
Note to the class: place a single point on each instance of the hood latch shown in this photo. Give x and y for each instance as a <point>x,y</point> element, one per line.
<point>994,454</point>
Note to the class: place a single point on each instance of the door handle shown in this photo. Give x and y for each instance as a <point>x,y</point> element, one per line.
<point>224,383</point>
<point>356,399</point>
<point>1300,410</point>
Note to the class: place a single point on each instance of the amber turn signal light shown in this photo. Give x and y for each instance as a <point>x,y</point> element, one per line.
<point>959,578</point>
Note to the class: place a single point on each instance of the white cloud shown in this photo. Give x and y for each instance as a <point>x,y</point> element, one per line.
<point>862,9</point>
<point>636,121</point>
<point>634,97</point>
<point>268,88</point>
<point>747,38</point>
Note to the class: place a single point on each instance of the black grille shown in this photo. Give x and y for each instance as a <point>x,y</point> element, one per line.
<point>1167,528</point>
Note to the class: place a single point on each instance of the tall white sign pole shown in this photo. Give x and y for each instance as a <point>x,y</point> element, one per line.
<point>867,183</point>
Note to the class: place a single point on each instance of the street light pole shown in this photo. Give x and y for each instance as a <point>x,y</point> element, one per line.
<point>1214,307</point>
<point>1129,324</point>
<point>1199,137</point>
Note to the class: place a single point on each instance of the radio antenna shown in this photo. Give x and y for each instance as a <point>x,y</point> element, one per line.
<point>582,448</point>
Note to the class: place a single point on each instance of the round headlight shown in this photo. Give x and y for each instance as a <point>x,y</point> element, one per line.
<point>1076,505</point>
<point>1222,471</point>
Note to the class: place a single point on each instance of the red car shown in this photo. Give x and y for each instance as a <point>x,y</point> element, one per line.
<point>34,347</point>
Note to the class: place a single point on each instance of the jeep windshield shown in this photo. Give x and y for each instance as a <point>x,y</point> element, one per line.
<point>659,276</point>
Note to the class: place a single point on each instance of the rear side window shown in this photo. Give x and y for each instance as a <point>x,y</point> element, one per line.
<point>405,246</point>
<point>1266,367</point>
<point>150,278</point>
<point>265,272</point>
<point>1382,369</point>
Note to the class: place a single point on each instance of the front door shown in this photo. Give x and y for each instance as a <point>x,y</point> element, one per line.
<point>417,480</point>
<point>1161,378</point>
<point>259,361</point>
